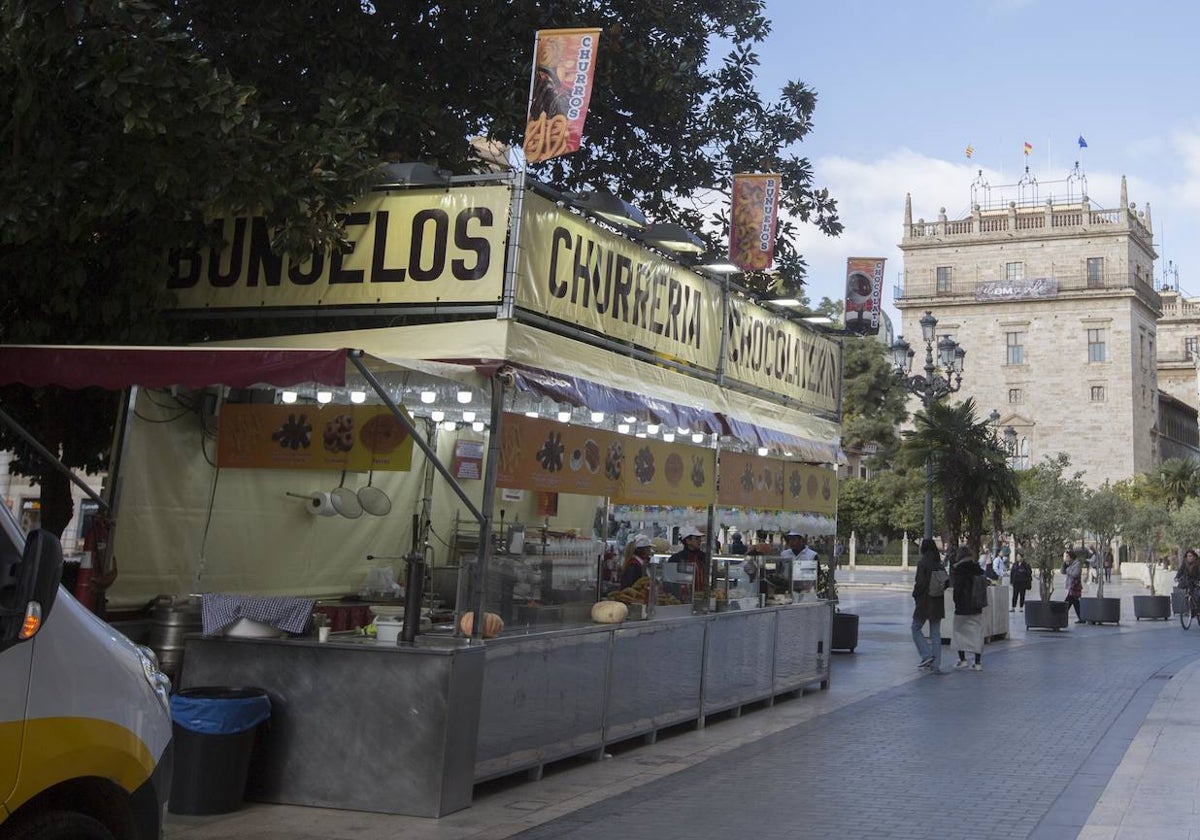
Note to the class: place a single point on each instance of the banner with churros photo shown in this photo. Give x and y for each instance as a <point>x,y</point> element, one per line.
<point>559,92</point>
<point>753,210</point>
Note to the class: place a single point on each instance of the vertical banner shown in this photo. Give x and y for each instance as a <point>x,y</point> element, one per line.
<point>864,284</point>
<point>752,221</point>
<point>563,68</point>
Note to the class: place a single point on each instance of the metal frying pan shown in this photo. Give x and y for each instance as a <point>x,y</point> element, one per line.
<point>345,501</point>
<point>373,500</point>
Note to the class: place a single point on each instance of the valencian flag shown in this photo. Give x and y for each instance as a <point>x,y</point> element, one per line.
<point>752,222</point>
<point>1028,148</point>
<point>563,69</point>
<point>864,288</point>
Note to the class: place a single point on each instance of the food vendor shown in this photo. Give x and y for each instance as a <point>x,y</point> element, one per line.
<point>637,566</point>
<point>798,550</point>
<point>691,558</point>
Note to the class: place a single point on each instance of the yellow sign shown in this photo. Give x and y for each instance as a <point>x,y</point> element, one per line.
<point>312,437</point>
<point>782,357</point>
<point>547,456</point>
<point>775,484</point>
<point>583,275</point>
<point>414,246</point>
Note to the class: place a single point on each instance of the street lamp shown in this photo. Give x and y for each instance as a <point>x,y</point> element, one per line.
<point>1010,445</point>
<point>943,376</point>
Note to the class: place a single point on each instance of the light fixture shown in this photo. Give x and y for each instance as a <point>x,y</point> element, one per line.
<point>902,354</point>
<point>787,454</point>
<point>668,236</point>
<point>946,348</point>
<point>640,435</point>
<point>788,302</point>
<point>683,430</point>
<point>611,208</point>
<point>719,267</point>
<point>358,397</point>
<point>564,417</point>
<point>468,416</point>
<point>928,326</point>
<point>464,397</point>
<point>437,415</point>
<point>324,397</point>
<point>669,437</point>
<point>477,426</point>
<point>698,437</point>
<point>288,397</point>
<point>651,428</point>
<point>623,428</point>
<point>630,419</point>
<point>428,397</point>
<point>762,451</point>
<point>411,174</point>
<point>597,416</point>
<point>450,426</point>
<point>533,414</point>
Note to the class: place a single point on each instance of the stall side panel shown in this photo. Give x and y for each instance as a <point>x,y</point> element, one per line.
<point>655,681</point>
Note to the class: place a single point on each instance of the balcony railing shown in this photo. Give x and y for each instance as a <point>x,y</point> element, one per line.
<point>1027,219</point>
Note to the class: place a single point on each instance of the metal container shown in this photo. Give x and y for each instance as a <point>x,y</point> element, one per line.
<point>173,617</point>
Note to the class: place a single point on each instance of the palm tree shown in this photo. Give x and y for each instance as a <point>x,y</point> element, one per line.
<point>970,469</point>
<point>1179,478</point>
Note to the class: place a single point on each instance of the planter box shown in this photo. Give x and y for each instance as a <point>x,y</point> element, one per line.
<point>995,615</point>
<point>845,631</point>
<point>1100,610</point>
<point>1045,615</point>
<point>1151,606</point>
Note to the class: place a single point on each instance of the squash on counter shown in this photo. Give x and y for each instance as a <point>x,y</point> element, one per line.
<point>609,612</point>
<point>492,624</point>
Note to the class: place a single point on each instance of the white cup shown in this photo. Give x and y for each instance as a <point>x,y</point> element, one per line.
<point>323,634</point>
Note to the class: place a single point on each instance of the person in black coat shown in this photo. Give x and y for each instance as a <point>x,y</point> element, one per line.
<point>968,620</point>
<point>1021,578</point>
<point>928,606</point>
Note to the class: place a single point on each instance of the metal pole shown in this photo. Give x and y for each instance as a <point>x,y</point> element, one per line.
<point>489,500</point>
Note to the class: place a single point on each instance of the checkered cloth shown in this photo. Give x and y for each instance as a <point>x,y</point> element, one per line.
<point>288,614</point>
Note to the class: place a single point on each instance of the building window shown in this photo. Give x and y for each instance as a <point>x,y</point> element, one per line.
<point>1095,272</point>
<point>1095,345</point>
<point>943,278</point>
<point>1014,271</point>
<point>1016,348</point>
<point>1097,393</point>
<point>1014,395</point>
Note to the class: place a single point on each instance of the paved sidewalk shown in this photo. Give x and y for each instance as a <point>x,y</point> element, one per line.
<point>1082,733</point>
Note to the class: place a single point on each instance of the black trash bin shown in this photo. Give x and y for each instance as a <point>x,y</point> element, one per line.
<point>214,729</point>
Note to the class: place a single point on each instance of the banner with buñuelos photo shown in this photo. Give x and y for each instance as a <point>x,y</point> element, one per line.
<point>752,221</point>
<point>559,92</point>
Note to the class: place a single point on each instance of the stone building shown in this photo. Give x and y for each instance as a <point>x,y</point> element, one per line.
<point>1053,300</point>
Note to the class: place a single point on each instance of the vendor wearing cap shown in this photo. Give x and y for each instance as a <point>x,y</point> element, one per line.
<point>693,556</point>
<point>638,564</point>
<point>797,549</point>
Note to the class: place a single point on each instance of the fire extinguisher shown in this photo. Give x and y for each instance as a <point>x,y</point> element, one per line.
<point>84,593</point>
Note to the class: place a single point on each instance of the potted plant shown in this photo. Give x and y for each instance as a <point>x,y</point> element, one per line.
<point>1041,526</point>
<point>1145,529</point>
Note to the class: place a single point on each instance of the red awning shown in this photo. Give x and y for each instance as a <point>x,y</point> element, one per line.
<point>116,368</point>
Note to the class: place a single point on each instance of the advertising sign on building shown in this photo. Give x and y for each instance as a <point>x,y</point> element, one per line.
<point>411,247</point>
<point>1045,287</point>
<point>864,289</point>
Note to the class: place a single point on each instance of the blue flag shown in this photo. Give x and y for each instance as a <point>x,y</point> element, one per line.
<point>1082,142</point>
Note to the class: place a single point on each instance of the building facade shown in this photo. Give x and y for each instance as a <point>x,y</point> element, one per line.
<point>1054,302</point>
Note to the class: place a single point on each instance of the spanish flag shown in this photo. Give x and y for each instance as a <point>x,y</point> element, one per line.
<point>1028,149</point>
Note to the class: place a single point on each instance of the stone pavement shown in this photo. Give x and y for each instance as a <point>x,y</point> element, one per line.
<point>1086,733</point>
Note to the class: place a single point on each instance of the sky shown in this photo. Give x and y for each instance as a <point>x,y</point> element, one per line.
<point>904,88</point>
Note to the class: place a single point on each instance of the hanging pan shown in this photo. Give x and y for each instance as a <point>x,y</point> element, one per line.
<point>373,500</point>
<point>345,501</point>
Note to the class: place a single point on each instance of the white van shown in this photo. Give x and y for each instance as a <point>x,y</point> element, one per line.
<point>85,723</point>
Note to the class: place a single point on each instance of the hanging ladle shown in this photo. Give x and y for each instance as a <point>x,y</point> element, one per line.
<point>373,500</point>
<point>345,501</point>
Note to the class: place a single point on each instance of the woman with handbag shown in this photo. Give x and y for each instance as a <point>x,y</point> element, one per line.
<point>929,606</point>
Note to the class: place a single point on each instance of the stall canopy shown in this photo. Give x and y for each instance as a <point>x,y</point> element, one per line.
<point>162,367</point>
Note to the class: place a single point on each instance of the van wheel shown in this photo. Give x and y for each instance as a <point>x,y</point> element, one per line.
<point>61,825</point>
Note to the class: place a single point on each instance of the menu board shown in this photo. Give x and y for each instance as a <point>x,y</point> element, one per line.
<point>312,437</point>
<point>545,455</point>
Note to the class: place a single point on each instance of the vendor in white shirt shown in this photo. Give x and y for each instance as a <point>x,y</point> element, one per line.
<point>1000,567</point>
<point>798,550</point>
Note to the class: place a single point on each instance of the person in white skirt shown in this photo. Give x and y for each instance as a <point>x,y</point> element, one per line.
<point>968,620</point>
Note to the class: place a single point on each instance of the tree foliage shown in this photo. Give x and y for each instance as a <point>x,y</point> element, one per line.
<point>1179,479</point>
<point>132,124</point>
<point>1048,516</point>
<point>873,404</point>
<point>1105,513</point>
<point>971,474</point>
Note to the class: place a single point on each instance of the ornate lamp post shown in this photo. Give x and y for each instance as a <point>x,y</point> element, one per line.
<point>943,376</point>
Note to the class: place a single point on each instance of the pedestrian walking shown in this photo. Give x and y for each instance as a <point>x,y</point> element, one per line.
<point>1074,575</point>
<point>929,607</point>
<point>1000,566</point>
<point>1021,578</point>
<point>1108,564</point>
<point>968,619</point>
